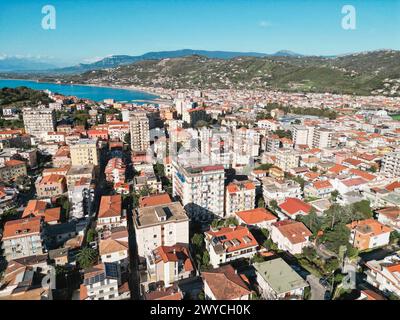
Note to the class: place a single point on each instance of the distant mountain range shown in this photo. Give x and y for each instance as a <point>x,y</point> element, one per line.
<point>364,73</point>
<point>29,65</point>
<point>10,64</point>
<point>376,72</point>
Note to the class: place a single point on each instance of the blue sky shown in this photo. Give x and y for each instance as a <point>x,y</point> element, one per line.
<point>88,29</point>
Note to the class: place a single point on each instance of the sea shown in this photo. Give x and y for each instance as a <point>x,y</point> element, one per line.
<point>87,92</point>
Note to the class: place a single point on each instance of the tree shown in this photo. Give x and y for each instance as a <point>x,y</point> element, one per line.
<point>394,237</point>
<point>363,207</point>
<point>159,170</point>
<point>283,134</point>
<point>257,258</point>
<point>201,295</point>
<point>91,235</point>
<point>334,195</point>
<point>312,221</point>
<point>231,221</point>
<point>273,204</point>
<point>23,182</point>
<point>206,258</point>
<point>331,265</point>
<point>198,240</point>
<point>86,257</point>
<point>265,233</point>
<point>336,237</point>
<point>261,203</point>
<point>265,166</point>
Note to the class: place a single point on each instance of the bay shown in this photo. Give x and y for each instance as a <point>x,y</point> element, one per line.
<point>82,91</point>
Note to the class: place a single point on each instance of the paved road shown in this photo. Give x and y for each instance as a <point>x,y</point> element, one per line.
<point>317,289</point>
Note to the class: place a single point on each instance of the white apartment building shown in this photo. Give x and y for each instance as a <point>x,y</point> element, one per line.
<point>303,135</point>
<point>81,197</point>
<point>84,152</point>
<point>229,243</point>
<point>22,238</point>
<point>385,274</point>
<point>279,190</point>
<point>287,159</point>
<point>103,282</point>
<point>140,131</point>
<point>216,144</point>
<point>240,196</point>
<point>39,121</point>
<point>169,264</point>
<point>201,190</point>
<point>322,138</point>
<point>391,164</point>
<point>115,251</point>
<point>160,225</point>
<point>290,235</point>
<point>246,145</point>
<point>268,124</point>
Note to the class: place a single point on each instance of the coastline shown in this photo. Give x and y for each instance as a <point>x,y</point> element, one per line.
<point>156,99</point>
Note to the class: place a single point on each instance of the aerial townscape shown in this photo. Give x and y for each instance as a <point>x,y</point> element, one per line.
<point>199,175</point>
<point>200,194</point>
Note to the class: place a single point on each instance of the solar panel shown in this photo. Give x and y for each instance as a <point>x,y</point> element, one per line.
<point>111,270</point>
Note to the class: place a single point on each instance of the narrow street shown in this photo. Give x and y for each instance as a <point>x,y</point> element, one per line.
<point>317,289</point>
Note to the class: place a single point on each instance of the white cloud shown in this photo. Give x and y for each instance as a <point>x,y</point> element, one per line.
<point>264,24</point>
<point>94,59</point>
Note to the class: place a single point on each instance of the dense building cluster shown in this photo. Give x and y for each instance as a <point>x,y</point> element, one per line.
<point>220,194</point>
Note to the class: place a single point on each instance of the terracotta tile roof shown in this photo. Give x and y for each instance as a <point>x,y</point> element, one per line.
<point>110,246</point>
<point>239,233</point>
<point>353,182</point>
<point>337,168</point>
<point>154,200</point>
<point>13,163</point>
<point>255,216</point>
<point>34,207</point>
<point>372,295</point>
<point>322,184</point>
<point>393,213</point>
<point>352,161</point>
<point>363,174</point>
<point>294,231</point>
<point>225,283</point>
<point>22,227</point>
<point>52,178</point>
<point>174,253</point>
<point>110,206</point>
<point>170,293</point>
<point>61,171</point>
<point>394,185</point>
<point>53,214</point>
<point>293,206</point>
<point>369,226</point>
<point>236,186</point>
<point>311,175</point>
<point>83,295</point>
<point>394,268</point>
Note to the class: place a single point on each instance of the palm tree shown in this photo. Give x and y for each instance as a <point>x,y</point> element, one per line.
<point>86,257</point>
